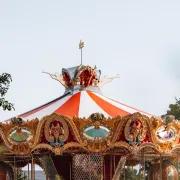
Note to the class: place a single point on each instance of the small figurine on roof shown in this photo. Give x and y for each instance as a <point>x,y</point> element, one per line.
<point>135,130</point>
<point>16,121</point>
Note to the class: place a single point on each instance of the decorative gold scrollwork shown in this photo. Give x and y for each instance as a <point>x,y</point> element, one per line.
<point>96,146</point>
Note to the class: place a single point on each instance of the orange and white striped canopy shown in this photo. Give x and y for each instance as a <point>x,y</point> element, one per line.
<point>82,104</point>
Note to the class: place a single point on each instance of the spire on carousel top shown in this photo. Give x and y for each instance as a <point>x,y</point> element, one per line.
<point>81,45</point>
<point>81,77</point>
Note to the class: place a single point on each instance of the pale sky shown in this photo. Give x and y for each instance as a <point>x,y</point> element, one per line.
<point>139,40</point>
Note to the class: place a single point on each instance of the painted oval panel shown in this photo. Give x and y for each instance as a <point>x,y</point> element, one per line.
<point>100,133</point>
<point>20,135</point>
<point>164,135</point>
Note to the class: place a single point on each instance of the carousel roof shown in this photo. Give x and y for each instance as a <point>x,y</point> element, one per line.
<point>82,104</point>
<point>82,96</point>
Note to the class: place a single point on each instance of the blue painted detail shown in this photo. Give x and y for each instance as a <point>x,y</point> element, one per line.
<point>97,132</point>
<point>137,141</point>
<point>61,143</point>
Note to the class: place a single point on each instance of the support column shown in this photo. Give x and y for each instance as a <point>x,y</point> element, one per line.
<point>32,169</point>
<point>104,168</point>
<point>178,165</point>
<point>144,164</point>
<point>28,170</point>
<point>89,166</point>
<point>34,172</point>
<point>161,167</point>
<point>119,168</point>
<point>15,174</point>
<point>70,174</point>
<point>111,166</point>
<point>140,165</point>
<point>114,160</point>
<point>140,170</point>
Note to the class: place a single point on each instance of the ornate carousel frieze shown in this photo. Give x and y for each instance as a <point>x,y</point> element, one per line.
<point>58,133</point>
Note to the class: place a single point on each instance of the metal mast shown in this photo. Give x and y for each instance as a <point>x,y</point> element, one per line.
<point>81,45</point>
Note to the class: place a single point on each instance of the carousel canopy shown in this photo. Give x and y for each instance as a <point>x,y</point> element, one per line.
<point>82,96</point>
<point>82,104</point>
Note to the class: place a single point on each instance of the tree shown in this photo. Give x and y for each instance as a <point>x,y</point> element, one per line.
<point>130,174</point>
<point>174,109</point>
<point>58,177</point>
<point>21,175</point>
<point>5,80</point>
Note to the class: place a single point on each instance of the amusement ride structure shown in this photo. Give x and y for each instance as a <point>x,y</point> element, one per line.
<point>83,135</point>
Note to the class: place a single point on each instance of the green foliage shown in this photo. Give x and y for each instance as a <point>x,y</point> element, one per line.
<point>174,109</point>
<point>130,174</point>
<point>21,175</point>
<point>58,177</point>
<point>5,80</point>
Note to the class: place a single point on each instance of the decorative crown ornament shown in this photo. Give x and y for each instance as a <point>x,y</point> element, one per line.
<point>81,77</point>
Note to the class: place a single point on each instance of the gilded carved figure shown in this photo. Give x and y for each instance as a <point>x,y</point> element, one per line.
<point>57,131</point>
<point>135,130</point>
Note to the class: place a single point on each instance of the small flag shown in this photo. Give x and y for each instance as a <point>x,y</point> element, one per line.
<point>81,44</point>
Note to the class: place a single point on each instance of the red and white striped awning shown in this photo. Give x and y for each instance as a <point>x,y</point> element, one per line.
<point>82,104</point>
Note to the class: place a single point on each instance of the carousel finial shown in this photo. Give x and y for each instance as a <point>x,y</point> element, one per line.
<point>81,45</point>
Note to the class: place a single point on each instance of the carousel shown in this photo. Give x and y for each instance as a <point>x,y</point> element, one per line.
<point>83,135</point>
